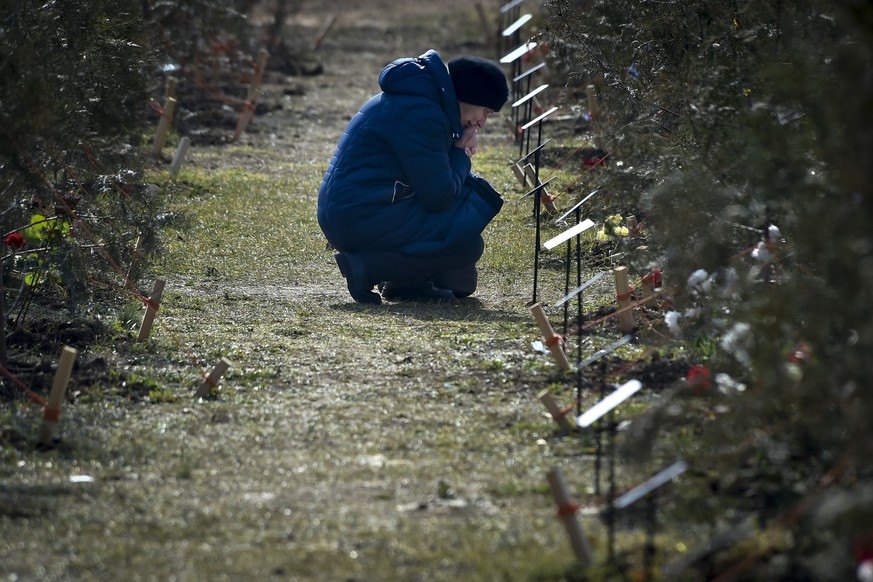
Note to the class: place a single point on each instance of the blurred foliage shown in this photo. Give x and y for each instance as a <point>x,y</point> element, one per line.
<point>748,126</point>
<point>72,93</point>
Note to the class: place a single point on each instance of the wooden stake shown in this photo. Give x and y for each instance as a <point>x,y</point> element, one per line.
<point>519,173</point>
<point>648,285</point>
<point>623,299</point>
<point>322,32</point>
<point>567,513</point>
<point>554,341</point>
<point>164,126</point>
<point>249,108</point>
<point>179,157</point>
<point>545,197</point>
<point>171,87</point>
<point>151,310</point>
<point>261,62</point>
<point>56,396</point>
<point>558,415</point>
<point>211,381</point>
<point>244,118</point>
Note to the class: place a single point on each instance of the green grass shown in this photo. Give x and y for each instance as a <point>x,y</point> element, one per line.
<point>403,441</point>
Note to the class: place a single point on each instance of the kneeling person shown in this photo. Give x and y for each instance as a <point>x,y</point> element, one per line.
<point>399,200</point>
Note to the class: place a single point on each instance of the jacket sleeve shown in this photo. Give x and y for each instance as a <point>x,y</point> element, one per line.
<point>435,168</point>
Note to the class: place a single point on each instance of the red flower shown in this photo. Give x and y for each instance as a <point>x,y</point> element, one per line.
<point>863,548</point>
<point>698,379</point>
<point>800,353</point>
<point>15,241</point>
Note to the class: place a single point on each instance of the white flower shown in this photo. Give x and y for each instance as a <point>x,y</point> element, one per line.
<point>865,571</point>
<point>671,318</point>
<point>697,277</point>
<point>761,253</point>
<point>735,342</point>
<point>727,385</point>
<point>773,232</point>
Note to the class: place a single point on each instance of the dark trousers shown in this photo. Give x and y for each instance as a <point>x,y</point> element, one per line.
<point>453,269</point>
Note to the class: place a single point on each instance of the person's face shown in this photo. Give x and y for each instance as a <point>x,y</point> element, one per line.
<point>473,115</point>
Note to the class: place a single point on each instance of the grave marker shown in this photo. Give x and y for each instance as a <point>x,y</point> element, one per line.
<point>606,405</point>
<point>607,350</point>
<point>568,234</point>
<point>581,288</point>
<point>651,484</point>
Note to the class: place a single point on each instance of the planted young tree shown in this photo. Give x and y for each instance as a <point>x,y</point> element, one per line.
<point>748,126</point>
<point>72,92</point>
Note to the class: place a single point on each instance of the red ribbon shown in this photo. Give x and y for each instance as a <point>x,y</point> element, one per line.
<point>566,509</point>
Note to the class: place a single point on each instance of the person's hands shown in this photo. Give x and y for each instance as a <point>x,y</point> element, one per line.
<point>469,140</point>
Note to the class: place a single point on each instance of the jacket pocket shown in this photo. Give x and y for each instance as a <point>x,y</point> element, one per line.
<point>401,192</point>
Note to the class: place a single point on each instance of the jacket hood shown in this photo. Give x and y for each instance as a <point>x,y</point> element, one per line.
<point>427,76</point>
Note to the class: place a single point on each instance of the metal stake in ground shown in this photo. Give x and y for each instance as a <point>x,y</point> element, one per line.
<point>526,104</point>
<point>512,33</point>
<point>56,396</point>
<point>580,317</point>
<point>508,12</point>
<point>648,489</point>
<point>606,405</point>
<point>517,82</point>
<point>539,123</point>
<point>610,516</point>
<point>623,296</point>
<point>537,234</point>
<point>513,58</point>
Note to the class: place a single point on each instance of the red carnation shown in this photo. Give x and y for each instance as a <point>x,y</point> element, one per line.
<point>15,241</point>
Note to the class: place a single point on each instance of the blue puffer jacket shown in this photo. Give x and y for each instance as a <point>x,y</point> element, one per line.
<point>396,181</point>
